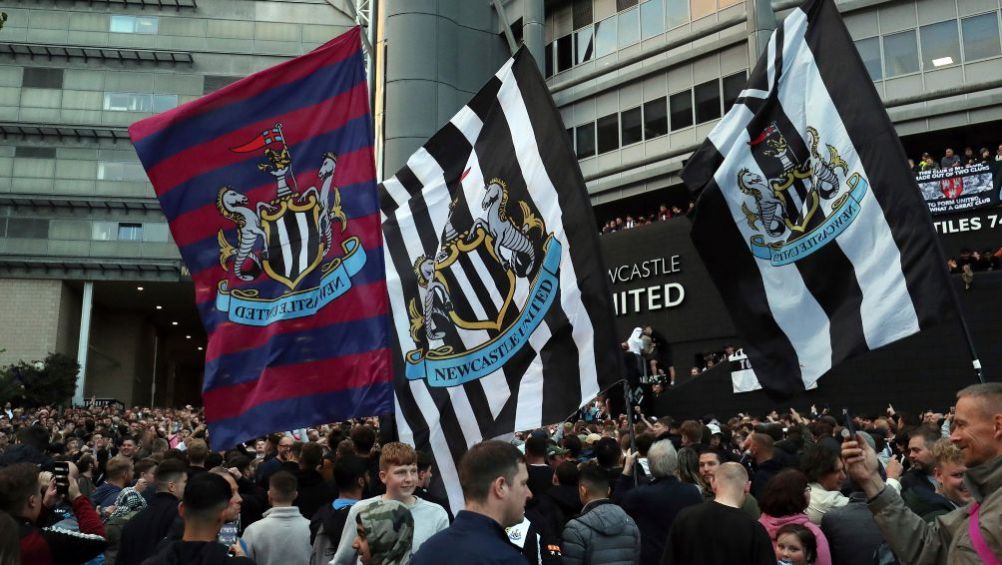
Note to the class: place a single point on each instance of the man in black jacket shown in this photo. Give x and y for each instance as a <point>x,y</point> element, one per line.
<point>204,510</point>
<point>654,506</point>
<point>143,532</point>
<point>326,526</point>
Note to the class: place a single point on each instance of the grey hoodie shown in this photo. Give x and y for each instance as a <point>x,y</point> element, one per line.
<point>603,533</point>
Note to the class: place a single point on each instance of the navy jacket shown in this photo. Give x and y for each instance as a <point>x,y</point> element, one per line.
<point>145,530</point>
<point>654,507</point>
<point>472,539</point>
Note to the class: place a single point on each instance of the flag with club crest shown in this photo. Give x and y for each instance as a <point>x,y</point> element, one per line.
<point>809,219</point>
<point>501,311</point>
<point>269,188</point>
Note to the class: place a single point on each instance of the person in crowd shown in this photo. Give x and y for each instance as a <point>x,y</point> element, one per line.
<point>998,154</point>
<point>283,534</point>
<point>326,527</point>
<point>928,163</point>
<point>784,502</point>
<point>692,433</point>
<point>425,475</point>
<point>145,471</point>
<point>141,534</point>
<point>562,501</point>
<point>984,155</point>
<point>710,460</point>
<point>603,533</point>
<point>852,534</point>
<point>197,452</point>
<point>384,534</point>
<point>398,472</point>
<point>920,456</point>
<point>948,471</point>
<point>950,159</point>
<point>825,470</point>
<point>204,509</point>
<point>31,504</point>
<point>127,448</point>
<point>86,466</point>
<point>971,534</point>
<point>654,506</point>
<point>795,544</point>
<point>494,480</point>
<point>129,503</point>
<point>273,462</point>
<point>688,470</point>
<point>314,491</point>
<point>763,452</point>
<point>253,498</point>
<point>540,472</point>
<point>10,546</point>
<point>718,531</point>
<point>117,476</point>
<point>363,441</point>
<point>969,157</point>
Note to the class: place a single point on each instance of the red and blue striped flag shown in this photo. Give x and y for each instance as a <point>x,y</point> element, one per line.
<point>269,188</point>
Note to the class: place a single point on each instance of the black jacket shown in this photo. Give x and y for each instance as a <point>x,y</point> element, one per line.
<point>196,553</point>
<point>764,472</point>
<point>314,493</point>
<point>654,507</point>
<point>143,532</point>
<point>559,505</point>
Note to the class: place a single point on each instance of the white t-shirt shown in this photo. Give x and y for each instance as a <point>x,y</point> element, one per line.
<point>429,519</point>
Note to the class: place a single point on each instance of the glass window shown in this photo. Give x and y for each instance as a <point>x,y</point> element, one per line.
<point>624,4</point>
<point>733,85</point>
<point>681,110</point>
<point>103,231</point>
<point>608,133</point>
<point>565,57</point>
<point>869,51</point>
<point>212,83</point>
<point>155,232</point>
<point>162,102</point>
<point>582,13</point>
<point>584,136</point>
<point>41,77</point>
<point>117,171</point>
<point>981,37</point>
<point>707,101</point>
<point>605,37</point>
<point>128,102</point>
<point>130,232</point>
<point>629,27</point>
<point>677,12</point>
<point>32,228</point>
<point>548,55</point>
<point>584,48</point>
<point>631,126</point>
<point>702,8</point>
<point>940,45</point>
<point>652,18</point>
<point>655,118</point>
<point>25,151</point>
<point>134,24</point>
<point>900,54</point>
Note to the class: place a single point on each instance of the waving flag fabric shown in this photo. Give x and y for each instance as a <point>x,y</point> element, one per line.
<point>269,188</point>
<point>501,307</point>
<point>809,219</point>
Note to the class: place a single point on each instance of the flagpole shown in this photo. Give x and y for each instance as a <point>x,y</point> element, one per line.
<point>630,423</point>
<point>975,360</point>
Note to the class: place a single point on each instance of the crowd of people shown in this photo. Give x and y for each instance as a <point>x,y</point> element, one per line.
<point>143,486</point>
<point>664,213</point>
<point>951,160</point>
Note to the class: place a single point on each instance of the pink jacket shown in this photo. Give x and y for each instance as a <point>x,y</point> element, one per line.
<point>772,524</point>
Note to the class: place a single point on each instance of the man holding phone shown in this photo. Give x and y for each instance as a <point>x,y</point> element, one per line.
<point>21,497</point>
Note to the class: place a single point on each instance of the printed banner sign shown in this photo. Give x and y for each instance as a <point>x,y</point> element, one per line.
<point>959,188</point>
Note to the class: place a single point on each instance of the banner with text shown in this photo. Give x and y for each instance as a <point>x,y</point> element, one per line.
<point>960,188</point>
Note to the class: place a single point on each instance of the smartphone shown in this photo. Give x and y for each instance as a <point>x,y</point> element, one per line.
<point>849,432</point>
<point>61,472</point>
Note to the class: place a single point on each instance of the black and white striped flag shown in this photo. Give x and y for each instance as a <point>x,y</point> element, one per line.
<point>809,219</point>
<point>502,315</point>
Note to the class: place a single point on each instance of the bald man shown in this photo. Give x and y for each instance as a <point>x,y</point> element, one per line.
<point>718,531</point>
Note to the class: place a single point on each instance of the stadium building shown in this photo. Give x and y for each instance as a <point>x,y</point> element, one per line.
<point>87,265</point>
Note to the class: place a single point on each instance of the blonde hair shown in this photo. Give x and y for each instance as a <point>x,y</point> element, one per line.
<point>945,452</point>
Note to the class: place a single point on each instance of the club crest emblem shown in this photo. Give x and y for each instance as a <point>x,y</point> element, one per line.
<point>488,288</point>
<point>807,200</point>
<point>284,240</point>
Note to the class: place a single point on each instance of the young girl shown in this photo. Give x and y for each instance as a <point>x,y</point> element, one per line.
<point>795,545</point>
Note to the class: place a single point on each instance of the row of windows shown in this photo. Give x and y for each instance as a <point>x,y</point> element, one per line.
<point>36,228</point>
<point>106,170</point>
<point>703,103</point>
<point>632,24</point>
<point>932,46</point>
<point>43,77</point>
<point>132,102</point>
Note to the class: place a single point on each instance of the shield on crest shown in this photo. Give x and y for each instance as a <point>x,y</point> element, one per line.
<point>294,243</point>
<point>464,265</point>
